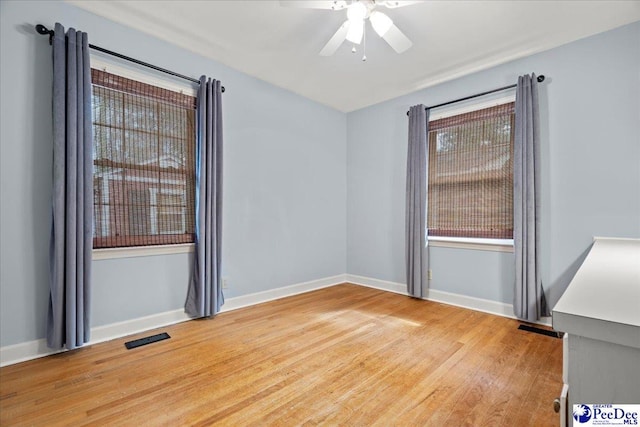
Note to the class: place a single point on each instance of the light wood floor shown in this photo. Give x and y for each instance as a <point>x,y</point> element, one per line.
<point>345,355</point>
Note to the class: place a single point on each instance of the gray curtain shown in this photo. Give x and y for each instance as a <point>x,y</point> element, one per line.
<point>72,205</point>
<point>416,202</point>
<point>529,301</point>
<point>204,297</point>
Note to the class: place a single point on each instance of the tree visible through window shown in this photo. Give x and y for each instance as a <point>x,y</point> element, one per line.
<point>471,174</point>
<point>144,163</point>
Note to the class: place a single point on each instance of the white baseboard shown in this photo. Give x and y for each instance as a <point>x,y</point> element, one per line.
<point>398,288</point>
<point>286,291</point>
<point>464,301</point>
<point>22,352</point>
<point>38,348</point>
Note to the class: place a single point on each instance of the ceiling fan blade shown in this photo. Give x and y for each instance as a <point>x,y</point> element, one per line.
<point>380,22</point>
<point>396,39</point>
<point>392,4</point>
<point>334,43</point>
<point>315,4</point>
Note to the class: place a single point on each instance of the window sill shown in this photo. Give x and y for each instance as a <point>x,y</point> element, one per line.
<point>494,245</point>
<point>139,251</point>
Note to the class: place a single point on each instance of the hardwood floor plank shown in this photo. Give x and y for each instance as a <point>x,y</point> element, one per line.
<point>344,355</point>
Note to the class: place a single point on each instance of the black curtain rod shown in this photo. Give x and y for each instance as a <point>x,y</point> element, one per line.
<point>540,79</point>
<point>41,29</point>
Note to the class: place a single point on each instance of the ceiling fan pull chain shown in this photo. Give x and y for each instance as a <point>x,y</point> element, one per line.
<point>364,42</point>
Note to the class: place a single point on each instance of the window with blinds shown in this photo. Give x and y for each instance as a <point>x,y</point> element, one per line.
<point>471,174</point>
<point>144,163</point>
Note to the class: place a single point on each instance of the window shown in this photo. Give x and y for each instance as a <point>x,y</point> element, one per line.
<point>471,174</point>
<point>144,163</point>
<point>170,214</point>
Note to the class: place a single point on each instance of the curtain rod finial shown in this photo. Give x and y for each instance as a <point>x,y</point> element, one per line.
<point>41,29</point>
<point>540,78</point>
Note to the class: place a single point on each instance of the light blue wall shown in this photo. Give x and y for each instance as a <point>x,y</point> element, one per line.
<point>590,114</point>
<point>293,211</point>
<point>284,181</point>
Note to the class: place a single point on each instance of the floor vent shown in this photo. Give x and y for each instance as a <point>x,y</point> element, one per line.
<point>554,334</point>
<point>146,340</point>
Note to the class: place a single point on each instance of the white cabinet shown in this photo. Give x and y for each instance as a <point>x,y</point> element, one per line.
<point>600,312</point>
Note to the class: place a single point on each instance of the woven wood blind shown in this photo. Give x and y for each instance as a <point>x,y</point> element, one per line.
<point>471,174</point>
<point>144,163</point>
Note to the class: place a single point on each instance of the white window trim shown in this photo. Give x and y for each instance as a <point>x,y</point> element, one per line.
<point>470,106</point>
<point>494,245</point>
<point>140,251</point>
<point>113,66</point>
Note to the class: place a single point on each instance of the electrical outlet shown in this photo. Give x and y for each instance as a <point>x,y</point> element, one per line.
<point>225,283</point>
<point>429,274</point>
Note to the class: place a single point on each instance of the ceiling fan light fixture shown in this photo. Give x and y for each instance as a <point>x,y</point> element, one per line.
<point>356,12</point>
<point>356,29</point>
<point>380,22</point>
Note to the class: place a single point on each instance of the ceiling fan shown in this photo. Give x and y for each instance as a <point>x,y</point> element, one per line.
<point>353,29</point>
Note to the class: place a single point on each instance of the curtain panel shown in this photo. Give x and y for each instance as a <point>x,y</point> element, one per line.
<point>417,261</point>
<point>204,296</point>
<point>68,319</point>
<point>529,299</point>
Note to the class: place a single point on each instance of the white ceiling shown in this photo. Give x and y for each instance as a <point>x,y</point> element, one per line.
<point>450,38</point>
